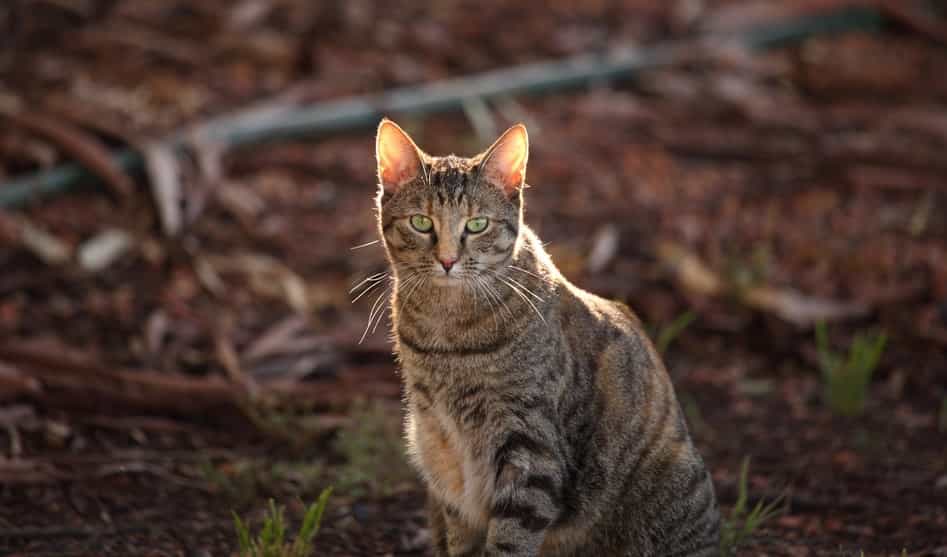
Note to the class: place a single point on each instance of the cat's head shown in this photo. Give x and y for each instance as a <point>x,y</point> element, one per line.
<point>450,219</point>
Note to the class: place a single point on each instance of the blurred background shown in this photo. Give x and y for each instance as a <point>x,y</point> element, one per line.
<point>186,206</point>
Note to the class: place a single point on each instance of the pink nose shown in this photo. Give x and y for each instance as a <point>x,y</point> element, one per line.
<point>448,263</point>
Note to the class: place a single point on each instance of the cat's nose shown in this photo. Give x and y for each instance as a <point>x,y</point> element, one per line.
<point>447,263</point>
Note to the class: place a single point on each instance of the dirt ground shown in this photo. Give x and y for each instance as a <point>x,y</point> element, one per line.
<point>213,364</point>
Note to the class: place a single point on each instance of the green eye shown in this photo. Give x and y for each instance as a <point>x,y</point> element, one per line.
<point>421,223</point>
<point>477,224</point>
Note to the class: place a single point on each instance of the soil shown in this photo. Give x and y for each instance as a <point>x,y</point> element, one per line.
<point>814,173</point>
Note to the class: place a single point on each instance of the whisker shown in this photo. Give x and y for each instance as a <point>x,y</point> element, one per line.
<point>527,290</point>
<point>496,296</point>
<point>404,284</point>
<point>477,294</point>
<point>414,287</point>
<point>371,315</point>
<point>386,310</point>
<point>371,278</point>
<point>475,287</point>
<point>483,286</point>
<point>373,286</point>
<point>365,245</point>
<point>530,302</point>
<point>516,288</point>
<point>530,273</point>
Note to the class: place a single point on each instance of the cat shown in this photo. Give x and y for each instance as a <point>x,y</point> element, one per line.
<point>539,416</point>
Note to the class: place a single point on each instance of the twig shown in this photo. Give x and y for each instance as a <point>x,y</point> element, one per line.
<point>695,276</point>
<point>88,150</point>
<point>165,173</point>
<point>70,379</point>
<point>117,468</point>
<point>913,15</point>
<point>131,36</point>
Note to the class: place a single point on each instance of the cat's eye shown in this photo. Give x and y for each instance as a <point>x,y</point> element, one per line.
<point>477,224</point>
<point>422,223</point>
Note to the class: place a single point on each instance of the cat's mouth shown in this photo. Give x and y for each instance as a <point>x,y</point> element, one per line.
<point>447,279</point>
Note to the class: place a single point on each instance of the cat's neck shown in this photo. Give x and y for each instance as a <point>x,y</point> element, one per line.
<point>532,256</point>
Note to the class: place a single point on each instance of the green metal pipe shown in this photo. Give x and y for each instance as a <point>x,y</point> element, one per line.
<point>364,111</point>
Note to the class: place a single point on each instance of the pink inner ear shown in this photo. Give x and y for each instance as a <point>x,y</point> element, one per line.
<point>394,167</point>
<point>390,176</point>
<point>398,159</point>
<point>506,162</point>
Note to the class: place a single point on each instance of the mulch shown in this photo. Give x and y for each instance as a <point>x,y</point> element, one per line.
<point>763,192</point>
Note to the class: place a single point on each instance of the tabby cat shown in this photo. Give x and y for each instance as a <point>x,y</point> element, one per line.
<point>539,415</point>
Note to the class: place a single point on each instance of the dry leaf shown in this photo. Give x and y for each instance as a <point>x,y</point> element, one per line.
<point>44,245</point>
<point>165,174</point>
<point>100,251</point>
<point>604,248</point>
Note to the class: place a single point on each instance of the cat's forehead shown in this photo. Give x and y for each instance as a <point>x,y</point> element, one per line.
<point>452,178</point>
<point>452,165</point>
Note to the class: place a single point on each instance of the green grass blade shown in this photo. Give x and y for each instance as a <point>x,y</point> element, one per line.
<point>673,329</point>
<point>271,540</point>
<point>243,535</point>
<point>310,525</point>
<point>740,525</point>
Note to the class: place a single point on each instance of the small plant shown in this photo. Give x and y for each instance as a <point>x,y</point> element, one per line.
<point>271,540</point>
<point>692,412</point>
<point>670,331</point>
<point>232,481</point>
<point>741,525</point>
<point>373,451</point>
<point>243,479</point>
<point>746,271</point>
<point>847,378</point>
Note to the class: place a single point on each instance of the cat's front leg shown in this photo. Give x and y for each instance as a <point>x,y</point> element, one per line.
<point>450,534</point>
<point>527,495</point>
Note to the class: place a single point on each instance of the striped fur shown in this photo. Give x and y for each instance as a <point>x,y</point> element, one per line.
<point>539,415</point>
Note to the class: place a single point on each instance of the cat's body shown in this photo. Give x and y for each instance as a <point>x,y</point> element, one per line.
<point>539,415</point>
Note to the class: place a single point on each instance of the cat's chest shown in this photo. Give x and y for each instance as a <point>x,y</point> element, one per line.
<point>452,462</point>
<point>432,332</point>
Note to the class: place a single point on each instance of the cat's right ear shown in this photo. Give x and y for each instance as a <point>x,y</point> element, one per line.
<point>399,159</point>
<point>504,163</point>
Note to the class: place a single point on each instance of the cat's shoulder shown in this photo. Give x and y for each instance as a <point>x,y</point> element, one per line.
<point>582,302</point>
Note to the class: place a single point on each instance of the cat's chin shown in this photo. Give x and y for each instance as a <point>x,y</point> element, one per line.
<point>447,281</point>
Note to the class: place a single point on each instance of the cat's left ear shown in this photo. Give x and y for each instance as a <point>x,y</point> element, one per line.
<point>504,163</point>
<point>399,159</point>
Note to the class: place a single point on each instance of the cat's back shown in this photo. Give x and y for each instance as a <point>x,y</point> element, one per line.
<point>607,331</point>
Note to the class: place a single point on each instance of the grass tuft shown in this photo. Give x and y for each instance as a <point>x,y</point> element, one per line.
<point>670,331</point>
<point>242,480</point>
<point>847,378</point>
<point>743,523</point>
<point>271,540</point>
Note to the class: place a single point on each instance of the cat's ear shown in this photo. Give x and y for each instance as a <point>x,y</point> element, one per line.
<point>504,163</point>
<point>399,159</point>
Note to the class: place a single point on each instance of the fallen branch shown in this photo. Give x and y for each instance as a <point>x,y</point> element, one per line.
<point>65,379</point>
<point>285,120</point>
<point>14,384</point>
<point>915,16</point>
<point>83,147</point>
